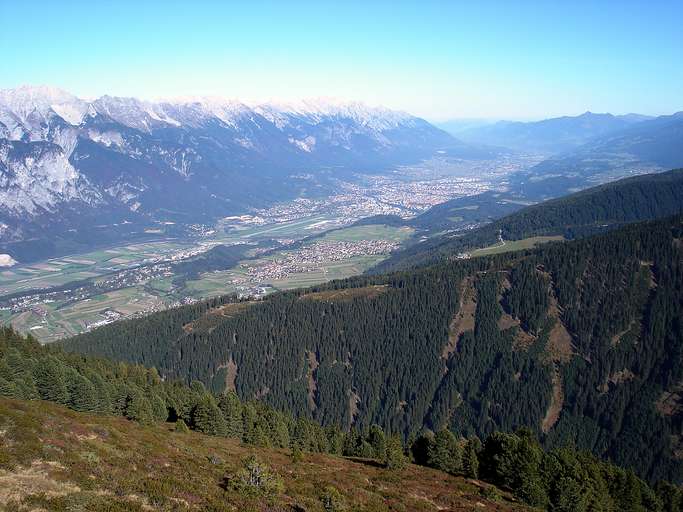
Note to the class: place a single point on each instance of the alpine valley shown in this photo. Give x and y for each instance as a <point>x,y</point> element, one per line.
<point>90,172</point>
<point>360,311</point>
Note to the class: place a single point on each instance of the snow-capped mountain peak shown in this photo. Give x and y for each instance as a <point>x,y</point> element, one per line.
<point>150,159</point>
<point>28,99</point>
<point>375,118</point>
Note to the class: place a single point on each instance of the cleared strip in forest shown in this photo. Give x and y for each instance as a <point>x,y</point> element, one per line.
<point>556,402</point>
<point>523,340</point>
<point>313,364</point>
<point>463,320</point>
<point>559,350</point>
<point>369,292</point>
<point>212,317</point>
<point>230,375</point>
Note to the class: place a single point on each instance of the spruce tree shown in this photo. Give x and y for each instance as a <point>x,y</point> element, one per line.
<point>394,458</point>
<point>50,380</point>
<point>82,395</point>
<point>138,408</point>
<point>207,417</point>
<point>378,441</point>
<point>159,410</point>
<point>445,452</point>
<point>470,459</point>
<point>231,407</point>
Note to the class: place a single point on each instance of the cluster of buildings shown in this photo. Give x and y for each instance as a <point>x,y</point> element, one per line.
<point>313,257</point>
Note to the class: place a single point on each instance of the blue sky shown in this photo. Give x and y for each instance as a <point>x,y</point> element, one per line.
<point>436,59</point>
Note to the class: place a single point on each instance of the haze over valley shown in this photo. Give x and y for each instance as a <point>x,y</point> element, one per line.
<point>345,256</point>
<point>83,247</point>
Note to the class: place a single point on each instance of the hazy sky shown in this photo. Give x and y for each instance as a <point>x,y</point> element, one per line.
<point>435,59</point>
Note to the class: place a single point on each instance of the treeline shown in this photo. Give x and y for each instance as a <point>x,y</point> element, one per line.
<point>560,480</point>
<point>595,322</point>
<point>578,215</point>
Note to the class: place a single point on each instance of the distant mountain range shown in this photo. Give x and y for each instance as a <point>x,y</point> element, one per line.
<point>585,150</point>
<point>549,136</point>
<point>646,146</point>
<point>114,160</point>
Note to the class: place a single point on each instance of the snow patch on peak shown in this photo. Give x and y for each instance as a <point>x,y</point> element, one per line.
<point>317,109</point>
<point>307,144</point>
<point>42,99</point>
<point>227,111</point>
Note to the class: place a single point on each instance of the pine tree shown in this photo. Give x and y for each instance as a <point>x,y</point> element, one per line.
<point>82,395</point>
<point>249,418</point>
<point>378,441</point>
<point>352,442</point>
<point>335,440</point>
<point>470,459</point>
<point>297,454</point>
<point>138,408</point>
<point>207,417</point>
<point>159,410</point>
<point>119,397</point>
<point>394,458</point>
<point>231,407</point>
<point>103,394</point>
<point>50,380</point>
<point>445,452</point>
<point>366,451</point>
<point>278,429</point>
<point>9,389</point>
<point>421,448</point>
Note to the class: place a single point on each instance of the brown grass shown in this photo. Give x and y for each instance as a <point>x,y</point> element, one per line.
<point>89,462</point>
<point>34,479</point>
<point>213,317</point>
<point>523,340</point>
<point>230,375</point>
<point>463,320</point>
<point>556,402</point>
<point>651,275</point>
<point>560,348</point>
<point>617,378</point>
<point>354,400</point>
<point>670,401</point>
<point>559,351</point>
<point>368,292</point>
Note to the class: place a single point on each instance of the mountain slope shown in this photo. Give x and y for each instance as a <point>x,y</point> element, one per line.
<point>592,210</point>
<point>550,135</point>
<point>648,146</point>
<point>124,160</point>
<point>581,341</point>
<point>56,459</point>
<point>105,463</point>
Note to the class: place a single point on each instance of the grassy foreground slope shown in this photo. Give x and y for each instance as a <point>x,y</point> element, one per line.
<point>53,458</point>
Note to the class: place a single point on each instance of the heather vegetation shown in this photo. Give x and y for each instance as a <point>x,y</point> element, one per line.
<point>562,479</point>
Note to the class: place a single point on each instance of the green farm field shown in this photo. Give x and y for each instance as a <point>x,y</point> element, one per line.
<point>515,245</point>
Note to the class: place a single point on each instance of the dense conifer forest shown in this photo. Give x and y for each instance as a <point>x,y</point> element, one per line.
<point>579,341</point>
<point>562,479</point>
